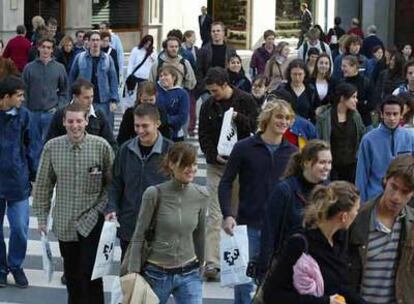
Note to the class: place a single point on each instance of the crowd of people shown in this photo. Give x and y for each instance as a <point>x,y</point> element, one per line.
<point>322,173</point>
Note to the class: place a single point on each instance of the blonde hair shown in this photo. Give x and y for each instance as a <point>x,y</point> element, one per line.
<point>65,40</point>
<point>325,202</point>
<point>273,105</point>
<point>37,21</point>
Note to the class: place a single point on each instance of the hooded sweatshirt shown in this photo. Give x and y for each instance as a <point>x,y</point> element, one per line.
<point>378,148</point>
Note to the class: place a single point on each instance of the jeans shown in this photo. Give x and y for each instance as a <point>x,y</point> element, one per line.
<point>18,216</point>
<point>42,120</point>
<point>187,288</point>
<point>106,109</point>
<point>242,293</point>
<point>78,261</point>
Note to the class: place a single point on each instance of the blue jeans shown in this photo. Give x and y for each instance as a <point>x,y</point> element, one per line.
<point>18,216</point>
<point>187,288</point>
<point>242,293</point>
<point>105,107</point>
<point>42,120</point>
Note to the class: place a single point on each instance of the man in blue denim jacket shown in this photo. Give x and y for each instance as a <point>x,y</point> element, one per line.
<point>19,152</point>
<point>99,68</point>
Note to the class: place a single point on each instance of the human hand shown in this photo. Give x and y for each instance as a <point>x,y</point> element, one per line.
<point>228,225</point>
<point>113,106</point>
<point>234,114</point>
<point>111,216</point>
<point>42,228</point>
<point>337,299</point>
<point>221,160</point>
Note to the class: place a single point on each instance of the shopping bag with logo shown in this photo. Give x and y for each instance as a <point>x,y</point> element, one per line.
<point>136,290</point>
<point>228,134</point>
<point>47,258</point>
<point>105,251</point>
<point>234,257</point>
<point>116,291</point>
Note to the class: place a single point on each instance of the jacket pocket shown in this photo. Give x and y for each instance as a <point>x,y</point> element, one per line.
<point>94,183</point>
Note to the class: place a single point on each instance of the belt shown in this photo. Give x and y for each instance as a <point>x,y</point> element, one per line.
<point>177,270</point>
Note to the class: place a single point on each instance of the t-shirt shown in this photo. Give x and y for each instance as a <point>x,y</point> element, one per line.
<point>145,150</point>
<point>219,55</point>
<point>94,80</point>
<point>272,147</point>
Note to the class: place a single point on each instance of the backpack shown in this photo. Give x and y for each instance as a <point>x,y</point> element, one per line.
<point>182,61</point>
<point>306,48</point>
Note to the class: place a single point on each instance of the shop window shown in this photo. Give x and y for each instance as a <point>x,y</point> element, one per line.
<point>44,8</point>
<point>121,14</point>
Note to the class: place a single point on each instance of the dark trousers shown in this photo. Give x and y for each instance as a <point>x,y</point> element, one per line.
<point>78,261</point>
<point>346,173</point>
<point>124,246</point>
<point>193,114</point>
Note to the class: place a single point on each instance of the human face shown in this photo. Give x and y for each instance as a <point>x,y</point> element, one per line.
<point>396,195</point>
<point>204,10</point>
<point>285,51</point>
<point>354,48</point>
<point>391,115</point>
<point>105,42</point>
<point>85,98</point>
<point>191,40</point>
<point>75,124</point>
<point>270,41</point>
<point>184,175</point>
<point>379,54</point>
<point>279,122</point>
<point>349,216</point>
<point>95,43</point>
<point>312,59</point>
<point>350,103</point>
<point>235,65</point>
<point>410,75</point>
<point>319,171</point>
<point>218,92</point>
<point>13,101</point>
<point>52,29</point>
<point>324,66</point>
<point>145,98</point>
<point>258,90</point>
<point>68,47</point>
<point>86,43</point>
<point>391,64</point>
<point>348,69</point>
<point>217,34</point>
<point>167,80</point>
<point>79,38</point>
<point>172,48</point>
<point>147,129</point>
<point>297,75</point>
<point>407,50</point>
<point>102,27</point>
<point>46,50</point>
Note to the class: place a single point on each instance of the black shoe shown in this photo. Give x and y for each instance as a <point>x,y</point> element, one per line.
<point>63,279</point>
<point>3,279</point>
<point>20,278</point>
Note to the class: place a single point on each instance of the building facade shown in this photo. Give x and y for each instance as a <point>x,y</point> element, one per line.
<point>246,19</point>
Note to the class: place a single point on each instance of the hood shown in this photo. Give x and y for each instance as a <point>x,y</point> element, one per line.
<point>163,56</point>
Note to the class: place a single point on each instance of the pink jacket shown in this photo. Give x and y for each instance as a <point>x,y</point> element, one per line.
<point>307,277</point>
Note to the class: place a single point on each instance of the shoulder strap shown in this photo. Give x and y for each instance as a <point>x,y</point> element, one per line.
<point>323,46</point>
<point>140,64</point>
<point>305,241</point>
<point>150,233</point>
<point>284,220</point>
<point>305,50</point>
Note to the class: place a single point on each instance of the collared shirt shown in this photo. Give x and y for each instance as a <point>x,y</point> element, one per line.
<point>91,110</point>
<point>81,173</point>
<point>378,282</point>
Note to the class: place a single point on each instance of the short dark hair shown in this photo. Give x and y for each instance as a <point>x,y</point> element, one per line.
<point>106,23</point>
<point>46,38</point>
<point>20,29</point>
<point>79,32</point>
<point>392,100</point>
<point>147,109</point>
<point>217,75</point>
<point>268,33</point>
<point>296,63</point>
<point>9,85</point>
<point>409,64</point>
<point>403,167</point>
<point>170,38</point>
<point>337,20</point>
<point>350,40</point>
<point>75,107</point>
<point>52,21</point>
<point>105,34</point>
<point>352,60</point>
<point>344,89</point>
<point>94,33</point>
<point>188,34</point>
<point>88,35</point>
<point>175,33</point>
<point>79,84</point>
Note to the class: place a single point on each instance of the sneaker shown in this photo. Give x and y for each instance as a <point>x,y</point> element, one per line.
<point>20,278</point>
<point>3,279</point>
<point>211,273</point>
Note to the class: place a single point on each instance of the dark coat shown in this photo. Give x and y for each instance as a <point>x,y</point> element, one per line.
<point>205,28</point>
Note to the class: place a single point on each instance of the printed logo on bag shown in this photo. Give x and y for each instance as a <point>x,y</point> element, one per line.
<point>107,250</point>
<point>231,134</point>
<point>231,257</point>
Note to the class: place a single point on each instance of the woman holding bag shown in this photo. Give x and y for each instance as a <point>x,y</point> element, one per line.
<point>140,62</point>
<point>312,267</point>
<point>178,209</point>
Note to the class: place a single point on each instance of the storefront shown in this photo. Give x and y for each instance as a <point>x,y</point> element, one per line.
<point>46,9</point>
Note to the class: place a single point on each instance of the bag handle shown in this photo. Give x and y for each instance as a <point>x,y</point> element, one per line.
<point>150,232</point>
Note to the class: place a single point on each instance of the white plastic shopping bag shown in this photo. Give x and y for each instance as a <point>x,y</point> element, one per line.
<point>116,291</point>
<point>47,258</point>
<point>105,251</point>
<point>228,134</point>
<point>234,257</point>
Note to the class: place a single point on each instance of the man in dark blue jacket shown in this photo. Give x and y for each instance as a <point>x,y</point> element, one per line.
<point>259,161</point>
<point>20,148</point>
<point>136,167</point>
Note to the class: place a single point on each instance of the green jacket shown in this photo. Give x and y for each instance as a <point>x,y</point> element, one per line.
<point>358,245</point>
<point>324,124</point>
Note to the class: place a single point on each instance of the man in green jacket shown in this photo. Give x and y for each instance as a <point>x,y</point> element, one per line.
<point>381,239</point>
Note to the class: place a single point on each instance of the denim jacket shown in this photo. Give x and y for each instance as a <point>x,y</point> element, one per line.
<point>20,147</point>
<point>107,78</point>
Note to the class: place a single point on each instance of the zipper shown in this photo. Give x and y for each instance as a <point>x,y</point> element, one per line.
<point>392,143</point>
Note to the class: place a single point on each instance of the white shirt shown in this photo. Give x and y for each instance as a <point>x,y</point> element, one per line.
<point>137,55</point>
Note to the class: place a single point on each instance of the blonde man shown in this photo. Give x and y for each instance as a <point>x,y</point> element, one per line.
<point>259,161</point>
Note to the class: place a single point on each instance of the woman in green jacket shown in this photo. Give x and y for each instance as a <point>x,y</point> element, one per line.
<point>341,125</point>
<point>177,247</point>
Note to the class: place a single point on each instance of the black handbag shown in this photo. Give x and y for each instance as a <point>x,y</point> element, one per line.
<point>131,80</point>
